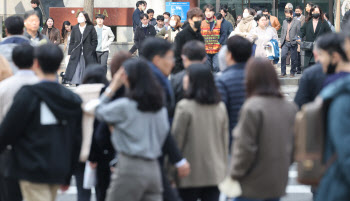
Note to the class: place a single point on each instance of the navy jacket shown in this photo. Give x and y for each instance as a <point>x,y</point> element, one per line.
<point>232,89</point>
<point>226,29</point>
<point>136,21</point>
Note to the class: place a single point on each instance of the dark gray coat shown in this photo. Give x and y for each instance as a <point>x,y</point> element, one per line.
<point>78,42</point>
<point>293,31</point>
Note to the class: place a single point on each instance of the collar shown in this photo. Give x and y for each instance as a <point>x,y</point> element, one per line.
<point>156,70</point>
<point>237,66</point>
<point>25,72</point>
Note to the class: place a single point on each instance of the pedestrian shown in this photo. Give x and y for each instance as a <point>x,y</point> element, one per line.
<point>159,55</point>
<point>175,28</point>
<point>142,32</point>
<point>290,30</point>
<point>309,6</point>
<point>160,23</point>
<point>35,5</point>
<point>136,22</point>
<point>105,37</point>
<point>272,20</point>
<point>82,49</point>
<point>94,80</point>
<point>214,36</point>
<point>191,32</point>
<point>225,26</point>
<point>299,16</point>
<point>335,181</point>
<point>66,34</point>
<point>23,56</point>
<point>262,150</point>
<point>44,130</point>
<point>205,136</point>
<point>152,20</point>
<point>138,174</point>
<point>227,15</point>
<point>246,24</point>
<point>326,18</point>
<point>261,36</point>
<point>231,82</point>
<point>14,36</point>
<point>5,69</point>
<point>166,20</point>
<point>311,82</point>
<point>314,27</point>
<point>51,32</point>
<point>289,6</point>
<point>192,52</point>
<point>102,152</point>
<point>31,23</point>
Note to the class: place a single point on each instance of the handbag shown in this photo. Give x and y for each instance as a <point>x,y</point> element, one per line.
<point>305,45</point>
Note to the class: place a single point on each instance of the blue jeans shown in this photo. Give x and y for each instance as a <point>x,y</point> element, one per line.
<point>287,46</point>
<point>213,62</point>
<point>247,199</point>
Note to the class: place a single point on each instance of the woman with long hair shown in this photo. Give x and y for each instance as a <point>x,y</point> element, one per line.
<point>246,24</point>
<point>175,28</point>
<point>66,32</point>
<point>200,128</point>
<point>263,138</point>
<point>82,49</point>
<point>51,32</point>
<point>314,26</point>
<point>140,127</point>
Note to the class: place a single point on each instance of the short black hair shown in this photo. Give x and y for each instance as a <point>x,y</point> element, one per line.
<point>310,4</point>
<point>219,16</point>
<point>209,6</point>
<point>167,13</point>
<point>160,17</point>
<point>150,11</point>
<point>299,7</point>
<point>14,25</point>
<point>143,15</point>
<point>155,46</point>
<point>140,3</point>
<point>37,2</point>
<point>95,74</point>
<point>240,48</point>
<point>30,13</point>
<point>49,57</point>
<point>194,50</point>
<point>333,42</point>
<point>202,86</point>
<point>265,10</point>
<point>23,56</point>
<point>224,8</point>
<point>100,16</point>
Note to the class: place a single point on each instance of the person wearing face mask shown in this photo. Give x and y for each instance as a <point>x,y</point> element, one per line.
<point>290,29</point>
<point>144,31</point>
<point>246,24</point>
<point>335,182</point>
<point>191,32</point>
<point>273,21</point>
<point>175,28</point>
<point>214,36</point>
<point>314,27</point>
<point>82,49</point>
<point>299,16</point>
<point>166,20</point>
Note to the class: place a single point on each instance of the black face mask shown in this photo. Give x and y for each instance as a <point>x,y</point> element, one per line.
<point>289,19</point>
<point>197,24</point>
<point>331,68</point>
<point>316,15</point>
<point>298,14</point>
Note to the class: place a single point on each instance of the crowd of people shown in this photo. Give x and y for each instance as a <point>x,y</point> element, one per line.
<point>197,106</point>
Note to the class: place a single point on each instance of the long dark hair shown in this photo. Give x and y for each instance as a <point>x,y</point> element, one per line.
<point>64,31</point>
<point>261,79</point>
<point>46,27</point>
<point>144,88</point>
<point>309,17</point>
<point>202,87</point>
<point>87,18</point>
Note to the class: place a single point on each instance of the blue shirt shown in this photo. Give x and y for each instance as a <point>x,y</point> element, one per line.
<point>99,38</point>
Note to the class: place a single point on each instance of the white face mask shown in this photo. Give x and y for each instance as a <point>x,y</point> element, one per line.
<point>245,15</point>
<point>166,20</point>
<point>172,23</point>
<point>144,25</point>
<point>81,19</point>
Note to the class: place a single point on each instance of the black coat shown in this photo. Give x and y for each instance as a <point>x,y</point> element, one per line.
<point>43,152</point>
<point>142,33</point>
<point>87,44</point>
<point>307,31</point>
<point>187,34</point>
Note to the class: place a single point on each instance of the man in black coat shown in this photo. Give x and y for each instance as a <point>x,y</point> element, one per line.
<point>190,32</point>
<point>44,128</point>
<point>35,5</point>
<point>144,31</point>
<point>140,8</point>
